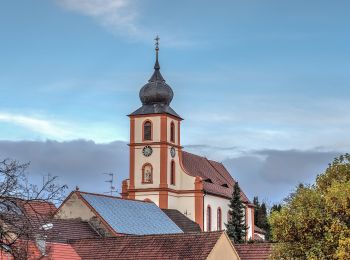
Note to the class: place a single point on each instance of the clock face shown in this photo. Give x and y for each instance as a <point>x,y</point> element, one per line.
<point>147,151</point>
<point>172,152</point>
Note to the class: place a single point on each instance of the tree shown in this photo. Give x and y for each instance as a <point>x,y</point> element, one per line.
<point>276,207</point>
<point>236,228</point>
<point>314,221</point>
<point>260,216</point>
<point>21,216</point>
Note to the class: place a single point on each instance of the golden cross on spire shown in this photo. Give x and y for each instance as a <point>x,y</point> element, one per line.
<point>157,42</point>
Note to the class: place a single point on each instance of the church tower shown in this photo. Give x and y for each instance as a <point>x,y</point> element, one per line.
<point>154,142</point>
<point>161,172</point>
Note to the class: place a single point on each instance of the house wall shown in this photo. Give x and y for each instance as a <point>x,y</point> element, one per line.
<point>215,202</point>
<point>250,224</point>
<point>73,208</point>
<point>183,203</point>
<point>76,208</point>
<point>223,250</point>
<point>155,128</point>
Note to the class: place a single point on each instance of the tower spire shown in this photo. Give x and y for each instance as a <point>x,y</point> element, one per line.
<point>156,65</point>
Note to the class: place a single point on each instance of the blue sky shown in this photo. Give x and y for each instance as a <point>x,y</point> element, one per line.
<point>250,78</point>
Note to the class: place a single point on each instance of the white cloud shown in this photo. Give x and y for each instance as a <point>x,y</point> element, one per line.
<point>41,126</point>
<point>119,16</point>
<point>62,130</point>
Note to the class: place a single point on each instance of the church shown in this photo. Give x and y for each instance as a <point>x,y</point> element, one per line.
<point>161,172</point>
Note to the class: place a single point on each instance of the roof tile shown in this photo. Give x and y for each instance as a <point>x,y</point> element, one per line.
<point>214,175</point>
<point>255,251</point>
<point>166,246</point>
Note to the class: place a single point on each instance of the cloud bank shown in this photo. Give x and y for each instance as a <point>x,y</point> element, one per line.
<point>270,174</point>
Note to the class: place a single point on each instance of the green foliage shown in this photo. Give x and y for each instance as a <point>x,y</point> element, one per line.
<point>276,207</point>
<point>260,216</point>
<point>314,223</point>
<point>236,228</point>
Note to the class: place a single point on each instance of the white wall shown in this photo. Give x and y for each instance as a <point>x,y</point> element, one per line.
<point>140,160</point>
<point>250,223</point>
<point>215,203</point>
<point>155,128</point>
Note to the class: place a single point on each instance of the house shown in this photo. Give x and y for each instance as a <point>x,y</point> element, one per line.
<point>194,246</point>
<point>36,234</point>
<point>114,216</point>
<point>259,234</point>
<point>162,172</point>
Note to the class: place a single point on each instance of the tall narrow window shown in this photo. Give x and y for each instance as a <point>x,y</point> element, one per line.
<point>172,173</point>
<point>147,131</point>
<point>208,218</point>
<point>219,219</point>
<point>147,173</point>
<point>229,216</point>
<point>172,132</point>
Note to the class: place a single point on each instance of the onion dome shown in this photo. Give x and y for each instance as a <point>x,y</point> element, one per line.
<point>156,95</point>
<point>156,91</point>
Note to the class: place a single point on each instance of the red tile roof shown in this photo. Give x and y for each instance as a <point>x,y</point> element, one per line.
<point>39,207</point>
<point>58,251</point>
<point>215,176</point>
<point>166,246</point>
<point>255,251</point>
<point>54,251</point>
<point>67,229</point>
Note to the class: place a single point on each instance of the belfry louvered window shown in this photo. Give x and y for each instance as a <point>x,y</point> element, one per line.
<point>147,131</point>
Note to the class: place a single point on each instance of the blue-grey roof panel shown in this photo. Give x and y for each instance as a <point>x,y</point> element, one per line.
<point>131,216</point>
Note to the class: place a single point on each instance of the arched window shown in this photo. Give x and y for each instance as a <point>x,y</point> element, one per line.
<point>147,131</point>
<point>219,219</point>
<point>172,132</point>
<point>208,218</point>
<point>172,173</point>
<point>147,173</point>
<point>228,216</point>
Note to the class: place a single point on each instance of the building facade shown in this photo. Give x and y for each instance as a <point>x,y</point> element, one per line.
<point>161,172</point>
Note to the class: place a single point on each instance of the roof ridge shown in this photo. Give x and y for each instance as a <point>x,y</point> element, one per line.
<point>110,196</point>
<point>149,235</point>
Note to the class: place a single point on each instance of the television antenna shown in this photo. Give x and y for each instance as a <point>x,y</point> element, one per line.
<point>112,188</point>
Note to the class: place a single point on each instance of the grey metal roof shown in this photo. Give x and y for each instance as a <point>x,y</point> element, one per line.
<point>155,109</point>
<point>131,216</point>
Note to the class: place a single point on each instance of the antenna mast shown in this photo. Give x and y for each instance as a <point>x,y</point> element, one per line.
<point>112,188</point>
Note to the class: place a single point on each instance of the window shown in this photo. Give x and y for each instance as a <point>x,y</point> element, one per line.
<point>219,227</point>
<point>172,132</point>
<point>208,218</point>
<point>228,216</point>
<point>147,131</point>
<point>147,173</point>
<point>172,173</point>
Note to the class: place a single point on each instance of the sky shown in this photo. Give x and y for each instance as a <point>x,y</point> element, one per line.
<point>263,86</point>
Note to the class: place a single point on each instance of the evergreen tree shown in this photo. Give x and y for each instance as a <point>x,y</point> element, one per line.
<point>276,207</point>
<point>236,228</point>
<point>260,216</point>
